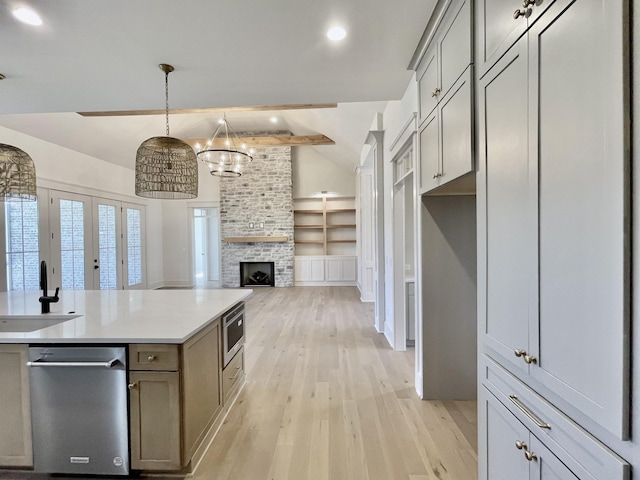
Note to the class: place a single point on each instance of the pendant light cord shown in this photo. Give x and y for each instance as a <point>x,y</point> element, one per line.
<point>166,96</point>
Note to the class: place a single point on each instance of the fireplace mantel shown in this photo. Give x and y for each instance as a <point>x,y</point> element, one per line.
<point>256,239</point>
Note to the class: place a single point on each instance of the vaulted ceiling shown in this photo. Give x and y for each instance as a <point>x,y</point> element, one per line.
<point>95,55</point>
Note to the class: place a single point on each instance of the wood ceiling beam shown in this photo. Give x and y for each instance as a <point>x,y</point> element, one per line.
<point>255,108</point>
<point>271,141</point>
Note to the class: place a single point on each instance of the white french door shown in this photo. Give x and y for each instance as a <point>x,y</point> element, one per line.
<point>70,220</point>
<point>96,243</point>
<point>107,250</point>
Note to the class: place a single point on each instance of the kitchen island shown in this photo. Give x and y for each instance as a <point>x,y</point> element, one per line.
<point>179,389</point>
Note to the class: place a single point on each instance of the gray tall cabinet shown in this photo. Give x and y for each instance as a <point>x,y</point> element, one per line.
<point>554,241</point>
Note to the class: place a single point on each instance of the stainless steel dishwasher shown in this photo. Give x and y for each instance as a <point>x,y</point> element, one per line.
<point>79,409</point>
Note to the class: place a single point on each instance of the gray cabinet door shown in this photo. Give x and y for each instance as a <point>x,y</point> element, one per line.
<point>455,44</point>
<point>505,205</point>
<point>546,466</point>
<point>456,130</point>
<point>496,30</point>
<point>428,82</point>
<point>429,154</point>
<point>578,139</point>
<point>503,460</point>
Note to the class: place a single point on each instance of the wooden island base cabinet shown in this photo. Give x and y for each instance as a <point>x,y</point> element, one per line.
<point>179,390</point>
<point>176,399</point>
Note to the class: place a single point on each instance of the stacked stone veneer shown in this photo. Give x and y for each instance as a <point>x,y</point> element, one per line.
<point>264,193</point>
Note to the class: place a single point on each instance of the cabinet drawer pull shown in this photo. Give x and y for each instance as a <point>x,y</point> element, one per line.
<point>151,358</point>
<point>520,445</point>
<point>132,386</point>
<point>519,352</point>
<point>436,92</point>
<point>530,359</point>
<point>521,12</point>
<point>530,455</point>
<point>528,413</point>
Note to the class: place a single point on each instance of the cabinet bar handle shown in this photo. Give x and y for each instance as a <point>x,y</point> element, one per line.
<point>40,363</point>
<point>528,413</point>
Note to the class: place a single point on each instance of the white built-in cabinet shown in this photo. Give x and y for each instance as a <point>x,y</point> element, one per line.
<point>553,193</point>
<point>336,270</point>
<point>325,241</point>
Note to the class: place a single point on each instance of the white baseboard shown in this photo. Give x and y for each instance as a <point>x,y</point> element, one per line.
<point>324,284</point>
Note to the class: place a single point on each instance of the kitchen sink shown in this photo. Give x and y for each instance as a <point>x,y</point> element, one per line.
<point>31,323</point>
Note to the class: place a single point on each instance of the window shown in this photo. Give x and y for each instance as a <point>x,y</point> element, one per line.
<point>23,252</point>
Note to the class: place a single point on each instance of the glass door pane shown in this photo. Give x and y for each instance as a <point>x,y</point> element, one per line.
<point>72,241</point>
<point>134,260</point>
<point>106,251</point>
<point>70,218</point>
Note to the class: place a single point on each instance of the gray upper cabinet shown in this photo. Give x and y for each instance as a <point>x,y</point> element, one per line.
<point>446,137</point>
<point>554,196</point>
<point>447,56</point>
<point>499,24</point>
<point>445,90</point>
<point>428,83</point>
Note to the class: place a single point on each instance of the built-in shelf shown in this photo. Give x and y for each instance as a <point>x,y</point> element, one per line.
<point>327,230</point>
<point>256,239</point>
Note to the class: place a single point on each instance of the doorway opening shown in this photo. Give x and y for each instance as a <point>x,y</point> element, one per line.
<point>206,247</point>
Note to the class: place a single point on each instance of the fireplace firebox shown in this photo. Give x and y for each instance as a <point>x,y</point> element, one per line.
<point>257,274</point>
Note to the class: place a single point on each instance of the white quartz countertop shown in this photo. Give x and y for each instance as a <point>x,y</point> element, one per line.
<point>117,316</point>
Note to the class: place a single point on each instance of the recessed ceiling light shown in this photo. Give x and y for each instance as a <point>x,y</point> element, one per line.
<point>336,33</point>
<point>28,16</point>
<point>274,119</point>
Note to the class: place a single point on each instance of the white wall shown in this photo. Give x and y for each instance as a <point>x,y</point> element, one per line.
<point>176,230</point>
<point>168,221</point>
<point>313,172</point>
<point>395,118</point>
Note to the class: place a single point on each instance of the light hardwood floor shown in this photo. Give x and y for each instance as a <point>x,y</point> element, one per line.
<point>326,398</point>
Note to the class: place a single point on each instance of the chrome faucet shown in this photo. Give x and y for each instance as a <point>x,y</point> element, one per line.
<point>45,300</point>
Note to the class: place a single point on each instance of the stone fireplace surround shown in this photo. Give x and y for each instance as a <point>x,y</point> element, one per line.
<point>262,195</point>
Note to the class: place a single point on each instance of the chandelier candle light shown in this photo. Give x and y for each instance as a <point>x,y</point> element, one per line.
<point>224,153</point>
<point>166,167</point>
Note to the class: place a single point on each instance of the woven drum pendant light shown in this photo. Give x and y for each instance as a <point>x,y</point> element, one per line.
<point>166,167</point>
<point>17,174</point>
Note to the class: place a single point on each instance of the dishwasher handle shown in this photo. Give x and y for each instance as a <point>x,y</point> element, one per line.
<point>40,363</point>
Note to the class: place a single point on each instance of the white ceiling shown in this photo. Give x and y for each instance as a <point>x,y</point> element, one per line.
<point>96,55</point>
